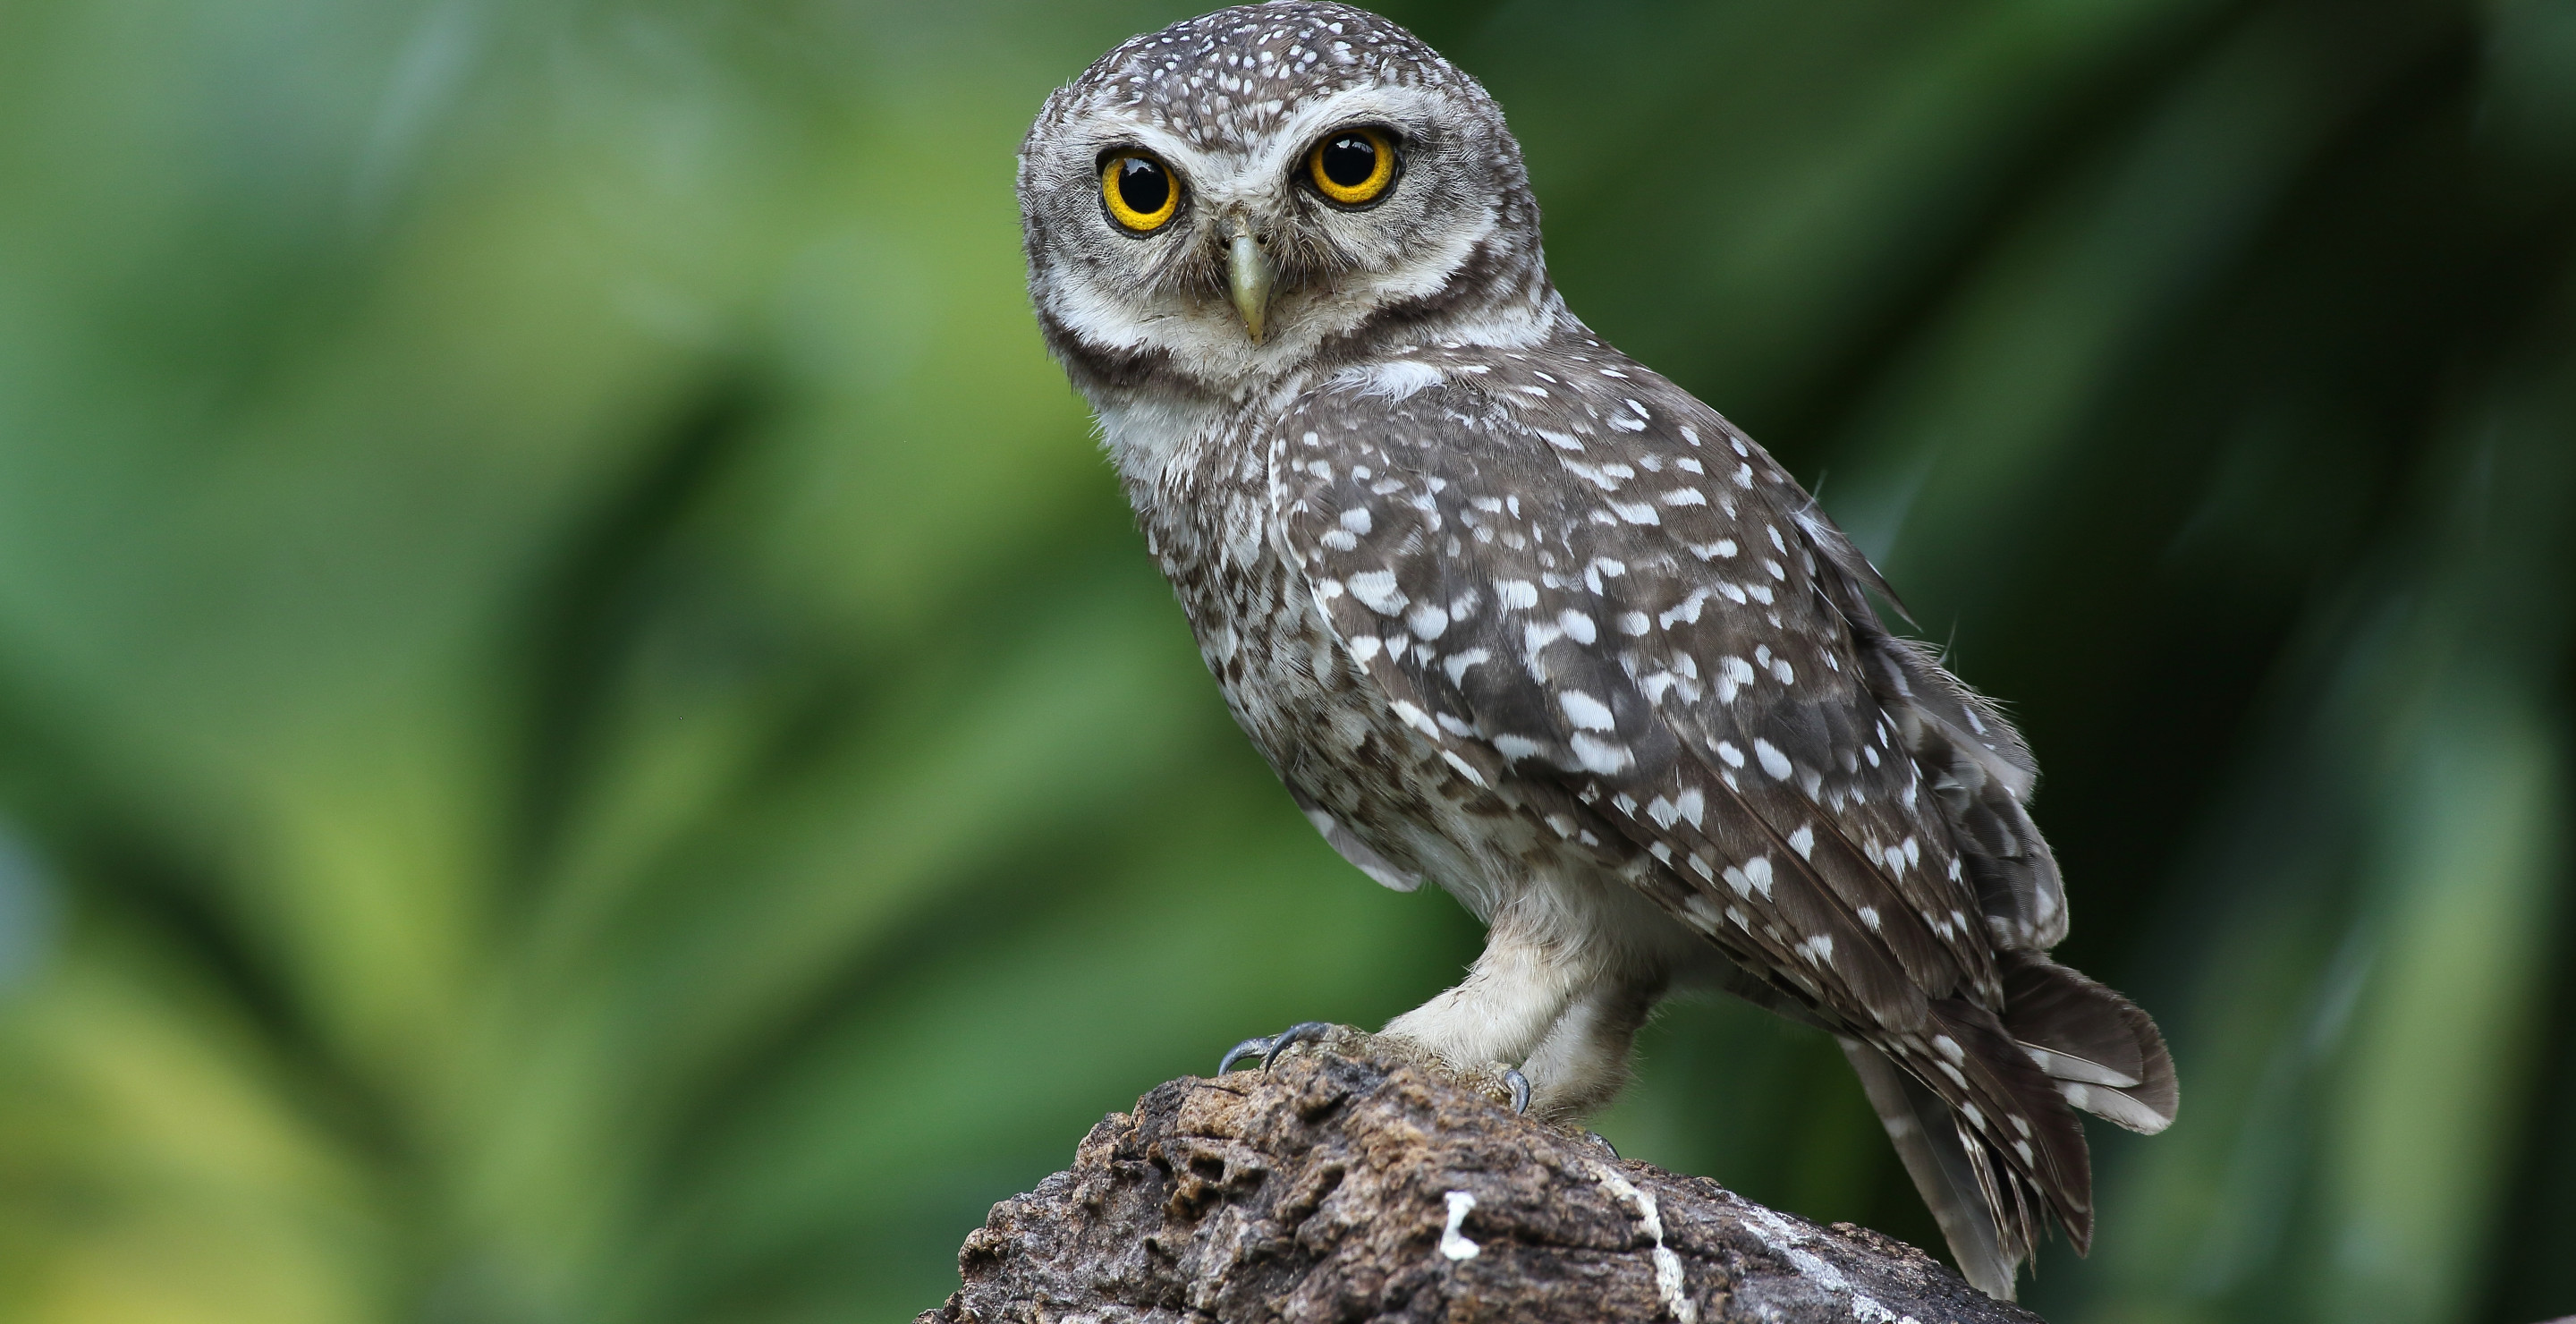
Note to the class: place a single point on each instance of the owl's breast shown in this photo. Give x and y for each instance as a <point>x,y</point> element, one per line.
<point>1312,710</point>
<point>1212,530</point>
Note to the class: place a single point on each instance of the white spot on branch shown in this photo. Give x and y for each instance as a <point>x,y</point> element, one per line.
<point>1784,1240</point>
<point>1650,1220</point>
<point>1452,1243</point>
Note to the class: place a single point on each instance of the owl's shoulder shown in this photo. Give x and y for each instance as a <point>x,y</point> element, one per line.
<point>1568,432</point>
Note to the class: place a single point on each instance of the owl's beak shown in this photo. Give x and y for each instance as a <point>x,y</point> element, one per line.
<point>1248,274</point>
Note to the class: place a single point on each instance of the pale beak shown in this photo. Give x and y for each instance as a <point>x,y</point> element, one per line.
<point>1248,274</point>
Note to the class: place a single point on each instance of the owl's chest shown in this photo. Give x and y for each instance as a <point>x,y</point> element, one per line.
<point>1212,530</point>
<point>1312,711</point>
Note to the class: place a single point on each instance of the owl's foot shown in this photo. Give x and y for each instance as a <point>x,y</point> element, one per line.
<point>1504,1084</point>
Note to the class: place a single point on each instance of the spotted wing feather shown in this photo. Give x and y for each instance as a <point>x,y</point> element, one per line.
<point>1981,771</point>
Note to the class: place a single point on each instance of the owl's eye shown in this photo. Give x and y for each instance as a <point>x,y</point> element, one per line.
<point>1139,191</point>
<point>1352,166</point>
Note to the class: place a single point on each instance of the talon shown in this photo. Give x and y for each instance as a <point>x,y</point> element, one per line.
<point>1247,1048</point>
<point>1604,1142</point>
<point>1301,1032</point>
<point>1520,1089</point>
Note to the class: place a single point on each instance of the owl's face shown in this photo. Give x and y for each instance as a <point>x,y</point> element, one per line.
<point>1249,192</point>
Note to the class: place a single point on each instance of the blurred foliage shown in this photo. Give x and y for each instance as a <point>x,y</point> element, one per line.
<point>584,736</point>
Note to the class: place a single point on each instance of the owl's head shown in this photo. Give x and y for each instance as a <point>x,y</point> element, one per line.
<point>1269,187</point>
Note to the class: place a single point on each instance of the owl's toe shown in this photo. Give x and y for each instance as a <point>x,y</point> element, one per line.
<point>1257,1046</point>
<point>1499,1081</point>
<point>1303,1032</point>
<point>1321,1034</point>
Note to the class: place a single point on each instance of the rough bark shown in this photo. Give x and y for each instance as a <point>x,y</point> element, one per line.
<point>1336,1188</point>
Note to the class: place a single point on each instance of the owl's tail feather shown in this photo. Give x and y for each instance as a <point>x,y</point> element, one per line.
<point>1989,1140</point>
<point>1944,1172</point>
<point>2103,1054</point>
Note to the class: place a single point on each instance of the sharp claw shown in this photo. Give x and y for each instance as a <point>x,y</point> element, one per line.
<point>1248,1048</point>
<point>1520,1089</point>
<point>1301,1032</point>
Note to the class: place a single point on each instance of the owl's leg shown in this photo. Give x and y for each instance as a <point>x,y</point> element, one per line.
<point>1517,990</point>
<point>1531,978</point>
<point>1582,1061</point>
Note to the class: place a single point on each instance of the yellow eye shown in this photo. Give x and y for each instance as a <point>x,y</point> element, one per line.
<point>1352,166</point>
<point>1139,191</point>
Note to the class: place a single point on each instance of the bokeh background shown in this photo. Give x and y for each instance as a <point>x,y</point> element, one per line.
<point>584,735</point>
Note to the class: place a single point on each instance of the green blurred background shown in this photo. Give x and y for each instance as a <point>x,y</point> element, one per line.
<point>584,735</point>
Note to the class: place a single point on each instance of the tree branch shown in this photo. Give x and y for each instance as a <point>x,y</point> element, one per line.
<point>1342,1189</point>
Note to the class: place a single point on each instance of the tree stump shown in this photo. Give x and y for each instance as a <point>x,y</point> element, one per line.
<point>1334,1188</point>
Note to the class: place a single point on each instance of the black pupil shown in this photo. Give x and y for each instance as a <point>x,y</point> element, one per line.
<point>1350,160</point>
<point>1143,186</point>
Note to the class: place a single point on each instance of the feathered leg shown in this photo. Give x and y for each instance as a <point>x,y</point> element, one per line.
<point>1583,1060</point>
<point>1512,995</point>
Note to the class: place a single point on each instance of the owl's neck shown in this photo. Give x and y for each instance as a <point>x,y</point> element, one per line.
<point>1155,415</point>
<point>1150,434</point>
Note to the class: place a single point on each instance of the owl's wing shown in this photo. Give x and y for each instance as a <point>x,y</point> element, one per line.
<point>1650,642</point>
<point>1594,586</point>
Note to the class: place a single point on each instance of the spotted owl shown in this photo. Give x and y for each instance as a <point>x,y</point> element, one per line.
<point>1510,612</point>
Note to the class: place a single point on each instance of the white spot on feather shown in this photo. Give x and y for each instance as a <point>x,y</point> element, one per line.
<point>1593,754</point>
<point>1416,718</point>
<point>1585,711</point>
<point>1377,591</point>
<point>1394,380</point>
<point>1457,663</point>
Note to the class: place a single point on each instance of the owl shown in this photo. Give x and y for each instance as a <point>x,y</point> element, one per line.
<point>1508,611</point>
